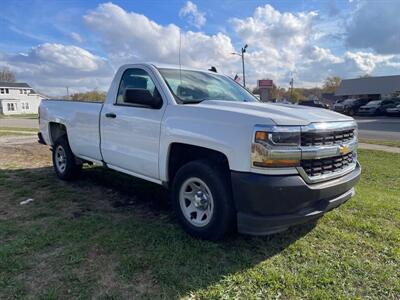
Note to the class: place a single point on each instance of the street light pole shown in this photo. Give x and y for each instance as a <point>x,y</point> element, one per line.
<point>243,51</point>
<point>244,73</point>
<point>291,89</point>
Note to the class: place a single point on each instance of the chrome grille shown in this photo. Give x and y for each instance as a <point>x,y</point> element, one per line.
<point>326,166</point>
<point>326,138</point>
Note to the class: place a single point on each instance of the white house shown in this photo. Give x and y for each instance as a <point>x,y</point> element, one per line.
<point>18,98</point>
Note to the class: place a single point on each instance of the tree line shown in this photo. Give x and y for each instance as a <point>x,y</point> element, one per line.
<point>298,94</point>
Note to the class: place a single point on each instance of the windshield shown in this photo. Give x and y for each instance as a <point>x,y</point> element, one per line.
<point>374,103</point>
<point>196,86</point>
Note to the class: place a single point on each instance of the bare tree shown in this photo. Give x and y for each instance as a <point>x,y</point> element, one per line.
<point>6,75</point>
<point>331,84</point>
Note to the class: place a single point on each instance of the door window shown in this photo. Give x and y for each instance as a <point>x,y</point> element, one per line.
<point>135,79</point>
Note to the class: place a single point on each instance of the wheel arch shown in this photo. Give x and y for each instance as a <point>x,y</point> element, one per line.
<point>56,130</point>
<point>181,153</point>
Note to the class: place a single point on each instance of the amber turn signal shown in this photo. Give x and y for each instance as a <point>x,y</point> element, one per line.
<point>261,136</point>
<point>275,163</point>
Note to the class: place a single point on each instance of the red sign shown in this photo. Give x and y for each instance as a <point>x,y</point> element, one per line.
<point>265,83</point>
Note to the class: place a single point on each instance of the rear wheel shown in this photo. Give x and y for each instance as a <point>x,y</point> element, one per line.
<point>202,201</point>
<point>64,161</point>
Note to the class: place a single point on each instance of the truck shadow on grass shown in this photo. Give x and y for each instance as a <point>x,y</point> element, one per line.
<point>116,237</point>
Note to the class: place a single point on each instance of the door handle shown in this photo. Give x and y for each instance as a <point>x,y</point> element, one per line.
<point>111,115</point>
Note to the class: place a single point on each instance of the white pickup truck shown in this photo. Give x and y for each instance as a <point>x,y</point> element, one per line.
<point>230,162</point>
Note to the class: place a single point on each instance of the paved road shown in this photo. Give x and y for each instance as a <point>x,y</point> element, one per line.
<point>24,123</point>
<point>377,128</point>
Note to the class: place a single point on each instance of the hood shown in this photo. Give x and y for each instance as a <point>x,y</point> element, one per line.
<point>280,114</point>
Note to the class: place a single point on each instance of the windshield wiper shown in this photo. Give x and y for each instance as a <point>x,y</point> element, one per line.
<point>193,102</point>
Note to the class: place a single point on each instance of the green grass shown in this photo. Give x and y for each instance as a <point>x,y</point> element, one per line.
<point>381,142</point>
<point>111,236</point>
<point>21,116</point>
<point>12,133</point>
<point>17,131</point>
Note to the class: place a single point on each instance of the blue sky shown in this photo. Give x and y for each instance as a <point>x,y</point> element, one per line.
<point>83,42</point>
<point>24,24</point>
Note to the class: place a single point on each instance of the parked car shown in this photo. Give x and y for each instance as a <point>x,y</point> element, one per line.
<point>338,106</point>
<point>350,106</point>
<point>393,111</point>
<point>314,103</point>
<point>377,107</point>
<point>230,161</point>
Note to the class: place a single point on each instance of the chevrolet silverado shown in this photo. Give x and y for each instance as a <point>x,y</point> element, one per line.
<point>231,163</point>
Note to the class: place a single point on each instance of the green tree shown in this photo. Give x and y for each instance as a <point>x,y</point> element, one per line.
<point>295,96</point>
<point>331,84</point>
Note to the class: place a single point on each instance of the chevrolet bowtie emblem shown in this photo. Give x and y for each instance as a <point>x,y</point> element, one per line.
<point>343,149</point>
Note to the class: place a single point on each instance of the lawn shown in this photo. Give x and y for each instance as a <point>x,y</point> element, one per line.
<point>17,131</point>
<point>111,236</point>
<point>20,116</point>
<point>392,143</point>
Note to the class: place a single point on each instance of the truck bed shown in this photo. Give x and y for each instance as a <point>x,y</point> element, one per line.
<point>82,120</point>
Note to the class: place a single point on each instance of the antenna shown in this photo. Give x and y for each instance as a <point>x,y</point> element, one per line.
<point>180,46</point>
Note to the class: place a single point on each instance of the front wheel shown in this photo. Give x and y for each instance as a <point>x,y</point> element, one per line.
<point>202,201</point>
<point>64,161</point>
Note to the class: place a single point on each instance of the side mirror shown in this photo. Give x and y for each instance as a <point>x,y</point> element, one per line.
<point>142,97</point>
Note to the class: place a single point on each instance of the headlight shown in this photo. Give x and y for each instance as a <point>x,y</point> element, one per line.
<point>278,138</point>
<point>276,146</point>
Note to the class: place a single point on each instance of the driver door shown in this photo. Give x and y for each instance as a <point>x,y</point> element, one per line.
<point>130,133</point>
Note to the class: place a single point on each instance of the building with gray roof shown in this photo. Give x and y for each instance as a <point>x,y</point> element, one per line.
<point>372,87</point>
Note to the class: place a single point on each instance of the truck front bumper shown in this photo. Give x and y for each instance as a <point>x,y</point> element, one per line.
<point>268,204</point>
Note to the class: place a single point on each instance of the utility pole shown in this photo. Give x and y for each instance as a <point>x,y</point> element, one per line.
<point>242,52</point>
<point>67,92</point>
<point>244,73</point>
<point>291,89</point>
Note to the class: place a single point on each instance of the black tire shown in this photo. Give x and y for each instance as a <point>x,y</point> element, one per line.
<point>72,168</point>
<point>351,112</point>
<point>223,218</point>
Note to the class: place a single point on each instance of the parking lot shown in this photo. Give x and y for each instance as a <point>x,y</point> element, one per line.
<point>379,128</point>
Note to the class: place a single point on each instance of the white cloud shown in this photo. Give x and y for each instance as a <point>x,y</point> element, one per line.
<point>129,37</point>
<point>52,67</point>
<point>76,37</point>
<point>285,43</point>
<point>367,62</point>
<point>195,17</point>
<point>282,44</point>
<point>271,28</point>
